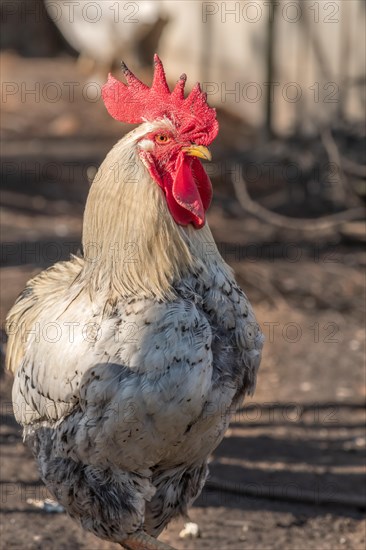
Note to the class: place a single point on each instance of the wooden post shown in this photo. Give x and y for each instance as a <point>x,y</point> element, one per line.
<point>344,59</point>
<point>206,49</point>
<point>270,68</point>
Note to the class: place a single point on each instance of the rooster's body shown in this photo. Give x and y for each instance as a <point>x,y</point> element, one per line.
<point>128,362</point>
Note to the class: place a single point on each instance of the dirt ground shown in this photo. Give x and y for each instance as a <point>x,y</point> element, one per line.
<point>290,472</point>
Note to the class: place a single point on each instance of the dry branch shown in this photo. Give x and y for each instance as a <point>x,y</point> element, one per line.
<point>353,168</point>
<point>299,224</point>
<point>343,164</point>
<point>340,186</point>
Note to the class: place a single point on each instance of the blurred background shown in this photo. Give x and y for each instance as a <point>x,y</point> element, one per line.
<point>289,169</point>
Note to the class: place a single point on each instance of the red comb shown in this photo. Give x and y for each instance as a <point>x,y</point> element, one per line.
<point>137,103</point>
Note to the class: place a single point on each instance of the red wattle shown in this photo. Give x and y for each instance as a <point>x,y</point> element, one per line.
<point>191,193</point>
<point>187,188</point>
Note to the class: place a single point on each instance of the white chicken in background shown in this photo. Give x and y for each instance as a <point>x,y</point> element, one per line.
<point>106,31</point>
<point>130,361</point>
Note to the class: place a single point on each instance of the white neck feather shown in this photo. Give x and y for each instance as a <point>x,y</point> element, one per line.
<point>132,246</point>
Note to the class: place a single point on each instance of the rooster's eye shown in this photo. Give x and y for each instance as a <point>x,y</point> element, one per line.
<point>161,138</point>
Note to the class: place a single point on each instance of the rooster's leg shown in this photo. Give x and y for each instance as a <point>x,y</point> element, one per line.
<point>143,541</point>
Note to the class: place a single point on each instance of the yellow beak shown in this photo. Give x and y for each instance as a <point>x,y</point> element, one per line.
<point>198,151</point>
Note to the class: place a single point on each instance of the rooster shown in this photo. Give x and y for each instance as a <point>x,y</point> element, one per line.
<point>130,360</point>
